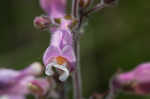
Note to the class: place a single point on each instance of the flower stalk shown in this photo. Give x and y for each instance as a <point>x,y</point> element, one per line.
<point>77,83</point>
<point>76,77</point>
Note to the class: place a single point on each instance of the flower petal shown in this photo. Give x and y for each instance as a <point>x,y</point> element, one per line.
<point>54,8</point>
<point>50,52</point>
<point>12,97</point>
<point>68,52</point>
<point>63,76</point>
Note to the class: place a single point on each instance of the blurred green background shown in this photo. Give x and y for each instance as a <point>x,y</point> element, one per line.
<point>114,38</point>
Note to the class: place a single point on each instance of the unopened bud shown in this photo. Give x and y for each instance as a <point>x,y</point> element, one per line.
<point>42,22</point>
<point>84,3</point>
<point>36,68</point>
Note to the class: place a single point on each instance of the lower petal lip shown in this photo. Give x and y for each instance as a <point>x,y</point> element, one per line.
<point>48,70</point>
<point>63,76</point>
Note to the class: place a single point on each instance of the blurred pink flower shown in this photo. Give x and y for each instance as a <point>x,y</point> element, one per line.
<point>135,81</point>
<point>14,84</point>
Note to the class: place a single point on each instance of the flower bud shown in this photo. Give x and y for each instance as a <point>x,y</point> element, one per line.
<point>84,3</point>
<point>136,81</point>
<point>42,22</point>
<point>34,69</point>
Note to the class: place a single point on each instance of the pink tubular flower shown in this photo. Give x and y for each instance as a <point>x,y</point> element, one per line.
<point>60,54</point>
<point>14,84</point>
<point>54,8</point>
<point>136,81</point>
<point>8,81</point>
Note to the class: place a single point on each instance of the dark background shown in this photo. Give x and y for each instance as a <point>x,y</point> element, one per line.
<point>114,38</point>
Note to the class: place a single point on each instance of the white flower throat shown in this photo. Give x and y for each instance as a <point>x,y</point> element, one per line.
<point>63,67</point>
